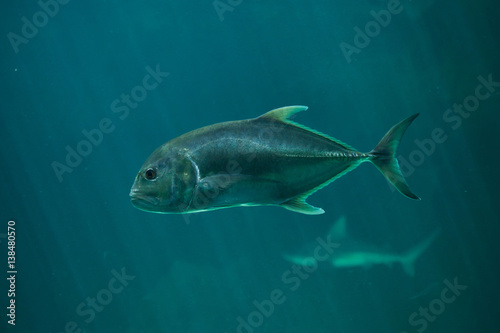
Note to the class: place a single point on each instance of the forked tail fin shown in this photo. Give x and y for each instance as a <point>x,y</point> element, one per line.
<point>384,157</point>
<point>409,257</point>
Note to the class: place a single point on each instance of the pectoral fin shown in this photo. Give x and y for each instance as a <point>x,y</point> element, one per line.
<point>214,184</point>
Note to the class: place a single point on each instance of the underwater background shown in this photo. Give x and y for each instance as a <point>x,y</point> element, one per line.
<point>72,143</point>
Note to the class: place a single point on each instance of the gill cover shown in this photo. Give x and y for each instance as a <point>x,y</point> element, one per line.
<point>185,176</point>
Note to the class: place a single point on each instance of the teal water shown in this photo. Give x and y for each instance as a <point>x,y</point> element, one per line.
<point>88,261</point>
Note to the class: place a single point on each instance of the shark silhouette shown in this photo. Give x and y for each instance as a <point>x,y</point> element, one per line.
<point>350,253</point>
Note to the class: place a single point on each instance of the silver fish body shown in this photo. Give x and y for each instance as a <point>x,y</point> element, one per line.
<point>269,160</point>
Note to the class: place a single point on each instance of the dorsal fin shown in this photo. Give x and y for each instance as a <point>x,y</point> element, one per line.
<point>283,114</point>
<point>338,229</point>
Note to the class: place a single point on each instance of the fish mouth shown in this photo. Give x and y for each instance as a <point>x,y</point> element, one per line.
<point>144,202</point>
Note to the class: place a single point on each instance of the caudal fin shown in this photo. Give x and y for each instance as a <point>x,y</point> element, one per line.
<point>409,257</point>
<point>384,157</point>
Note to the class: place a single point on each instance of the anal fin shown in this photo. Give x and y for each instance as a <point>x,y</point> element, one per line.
<point>299,205</point>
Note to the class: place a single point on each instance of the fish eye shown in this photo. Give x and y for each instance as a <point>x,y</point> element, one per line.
<point>150,174</point>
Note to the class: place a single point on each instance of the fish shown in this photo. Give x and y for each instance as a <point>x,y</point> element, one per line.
<point>266,161</point>
<point>346,252</point>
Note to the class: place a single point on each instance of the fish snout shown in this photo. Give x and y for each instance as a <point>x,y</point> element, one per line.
<point>133,192</point>
<point>143,201</point>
